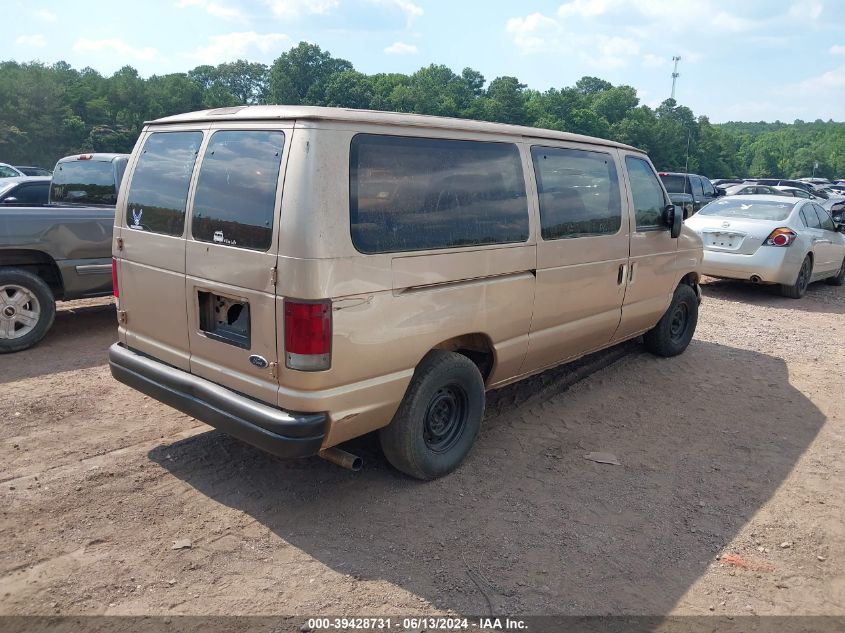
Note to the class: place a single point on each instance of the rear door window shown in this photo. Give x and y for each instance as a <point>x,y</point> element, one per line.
<point>236,190</point>
<point>824,219</point>
<point>697,190</point>
<point>410,193</point>
<point>647,194</point>
<point>810,217</point>
<point>158,192</point>
<point>578,191</point>
<point>87,182</point>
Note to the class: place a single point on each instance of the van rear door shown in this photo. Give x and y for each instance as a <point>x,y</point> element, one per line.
<point>151,260</point>
<point>230,261</point>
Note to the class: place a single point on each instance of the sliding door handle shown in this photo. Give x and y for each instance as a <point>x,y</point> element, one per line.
<point>620,278</point>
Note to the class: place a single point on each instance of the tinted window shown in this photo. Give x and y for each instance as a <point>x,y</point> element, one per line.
<point>579,192</point>
<point>709,191</point>
<point>810,217</point>
<point>749,209</point>
<point>236,189</point>
<point>824,219</point>
<point>158,192</point>
<point>34,194</point>
<point>697,190</point>
<point>675,183</point>
<point>415,193</point>
<point>84,182</point>
<point>8,172</point>
<point>648,197</point>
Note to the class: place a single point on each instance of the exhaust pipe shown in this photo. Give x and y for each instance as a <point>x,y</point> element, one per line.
<point>755,279</point>
<point>342,458</point>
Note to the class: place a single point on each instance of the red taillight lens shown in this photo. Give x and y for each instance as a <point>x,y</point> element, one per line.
<point>308,335</point>
<point>114,286</point>
<point>780,237</point>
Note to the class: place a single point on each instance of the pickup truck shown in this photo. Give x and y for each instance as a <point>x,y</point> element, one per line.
<point>57,252</point>
<point>689,191</point>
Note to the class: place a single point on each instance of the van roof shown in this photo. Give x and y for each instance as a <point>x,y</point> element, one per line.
<point>317,113</point>
<point>93,156</point>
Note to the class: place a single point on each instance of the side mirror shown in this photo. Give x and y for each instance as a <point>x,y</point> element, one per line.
<point>673,217</point>
<point>720,192</point>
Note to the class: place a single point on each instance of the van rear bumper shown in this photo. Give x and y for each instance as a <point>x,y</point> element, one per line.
<point>273,430</point>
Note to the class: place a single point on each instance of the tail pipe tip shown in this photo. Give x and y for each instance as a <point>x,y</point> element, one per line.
<point>755,279</point>
<point>342,458</point>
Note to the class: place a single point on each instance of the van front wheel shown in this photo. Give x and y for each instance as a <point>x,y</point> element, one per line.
<point>674,331</point>
<point>439,418</point>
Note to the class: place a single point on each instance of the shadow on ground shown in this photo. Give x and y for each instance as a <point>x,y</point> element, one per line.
<point>87,329</point>
<point>527,525</point>
<point>821,297</point>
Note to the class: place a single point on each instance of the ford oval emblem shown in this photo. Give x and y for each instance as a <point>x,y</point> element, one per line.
<point>258,361</point>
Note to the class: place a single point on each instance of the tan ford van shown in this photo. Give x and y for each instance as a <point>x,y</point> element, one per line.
<point>299,276</point>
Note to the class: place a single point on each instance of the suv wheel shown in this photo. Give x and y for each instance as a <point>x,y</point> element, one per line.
<point>27,309</point>
<point>839,279</point>
<point>797,290</point>
<point>439,418</point>
<point>674,331</point>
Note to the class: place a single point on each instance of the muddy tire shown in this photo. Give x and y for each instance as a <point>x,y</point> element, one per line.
<point>439,418</point>
<point>839,279</point>
<point>674,331</point>
<point>797,290</point>
<point>27,309</point>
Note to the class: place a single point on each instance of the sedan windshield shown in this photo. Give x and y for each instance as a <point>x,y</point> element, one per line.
<point>749,209</point>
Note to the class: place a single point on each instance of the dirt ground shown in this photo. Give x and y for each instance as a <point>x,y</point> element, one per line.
<point>729,497</point>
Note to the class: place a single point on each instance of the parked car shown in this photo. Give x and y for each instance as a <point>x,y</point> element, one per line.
<point>447,257</point>
<point>689,191</point>
<point>7,171</point>
<point>771,240</point>
<point>751,189</point>
<point>29,170</point>
<point>60,251</point>
<point>778,182</point>
<point>32,191</point>
<point>726,182</point>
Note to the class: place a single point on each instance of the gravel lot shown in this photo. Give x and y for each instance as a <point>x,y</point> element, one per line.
<point>729,497</point>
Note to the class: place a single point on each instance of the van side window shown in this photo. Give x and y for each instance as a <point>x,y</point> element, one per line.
<point>410,193</point>
<point>236,188</point>
<point>578,191</point>
<point>647,194</point>
<point>158,192</point>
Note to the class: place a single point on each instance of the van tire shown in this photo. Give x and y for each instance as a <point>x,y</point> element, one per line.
<point>438,419</point>
<point>15,282</point>
<point>839,278</point>
<point>805,273</point>
<point>674,331</point>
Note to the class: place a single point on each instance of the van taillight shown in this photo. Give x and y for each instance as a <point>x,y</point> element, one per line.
<point>308,335</point>
<point>115,289</point>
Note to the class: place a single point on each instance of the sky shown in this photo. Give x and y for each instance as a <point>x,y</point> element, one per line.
<point>746,60</point>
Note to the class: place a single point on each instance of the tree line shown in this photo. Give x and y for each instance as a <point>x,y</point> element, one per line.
<point>47,112</point>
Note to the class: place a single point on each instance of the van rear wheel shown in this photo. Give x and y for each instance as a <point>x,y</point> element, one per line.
<point>439,418</point>
<point>674,331</point>
<point>27,309</point>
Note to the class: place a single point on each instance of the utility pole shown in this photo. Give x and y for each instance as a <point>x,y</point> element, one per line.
<point>675,74</point>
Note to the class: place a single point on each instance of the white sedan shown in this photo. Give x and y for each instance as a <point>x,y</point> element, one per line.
<point>771,240</point>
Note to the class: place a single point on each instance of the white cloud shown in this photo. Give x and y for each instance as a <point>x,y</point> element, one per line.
<point>584,8</point>
<point>223,48</point>
<point>297,8</point>
<point>837,49</point>
<point>614,52</point>
<point>400,48</point>
<point>832,80</point>
<point>654,61</point>
<point>37,40</point>
<point>115,45</point>
<point>46,15</point>
<point>212,8</point>
<point>534,33</point>
<point>411,10</point>
<point>806,9</point>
